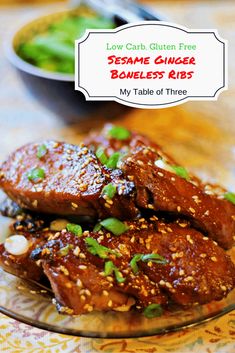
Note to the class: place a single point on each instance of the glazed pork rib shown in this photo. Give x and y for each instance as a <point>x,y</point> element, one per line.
<point>153,262</point>
<point>64,180</point>
<point>158,186</point>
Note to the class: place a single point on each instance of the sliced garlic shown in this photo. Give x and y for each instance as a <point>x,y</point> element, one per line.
<point>58,224</point>
<point>16,245</point>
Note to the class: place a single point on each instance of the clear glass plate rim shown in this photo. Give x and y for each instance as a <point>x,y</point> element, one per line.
<point>92,334</point>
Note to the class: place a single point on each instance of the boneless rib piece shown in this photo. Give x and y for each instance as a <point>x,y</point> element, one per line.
<point>162,185</point>
<point>154,262</point>
<point>64,179</point>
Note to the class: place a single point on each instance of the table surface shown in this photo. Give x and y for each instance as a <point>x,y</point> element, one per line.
<point>202,139</point>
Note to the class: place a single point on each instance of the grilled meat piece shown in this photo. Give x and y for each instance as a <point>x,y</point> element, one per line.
<point>158,187</point>
<point>191,268</point>
<point>65,180</point>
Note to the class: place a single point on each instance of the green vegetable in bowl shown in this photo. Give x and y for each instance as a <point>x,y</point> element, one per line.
<point>54,50</point>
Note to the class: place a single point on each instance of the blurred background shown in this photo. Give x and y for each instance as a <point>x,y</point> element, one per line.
<point>199,134</point>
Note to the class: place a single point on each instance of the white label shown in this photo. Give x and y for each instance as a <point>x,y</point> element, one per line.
<point>151,64</point>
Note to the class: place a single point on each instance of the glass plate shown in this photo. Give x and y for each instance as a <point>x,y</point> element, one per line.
<point>32,305</point>
<point>197,141</point>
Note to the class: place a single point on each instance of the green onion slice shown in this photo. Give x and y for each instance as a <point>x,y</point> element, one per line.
<point>97,227</point>
<point>109,190</point>
<point>109,268</point>
<point>100,154</point>
<point>133,263</point>
<point>230,196</point>
<point>42,150</point>
<point>114,225</point>
<point>119,133</point>
<point>181,171</point>
<point>36,175</point>
<point>96,249</point>
<point>154,258</point>
<point>113,160</point>
<point>153,310</point>
<point>75,229</point>
<point>65,250</point>
<point>146,258</point>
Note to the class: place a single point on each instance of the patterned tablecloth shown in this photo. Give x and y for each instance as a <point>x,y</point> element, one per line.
<point>203,129</point>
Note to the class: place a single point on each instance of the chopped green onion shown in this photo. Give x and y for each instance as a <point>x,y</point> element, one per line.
<point>154,258</point>
<point>119,133</point>
<point>109,190</point>
<point>230,196</point>
<point>100,154</point>
<point>75,229</point>
<point>96,249</point>
<point>113,160</point>
<point>97,227</point>
<point>133,263</point>
<point>181,171</point>
<point>36,175</point>
<point>65,250</point>
<point>109,268</point>
<point>153,310</point>
<point>146,258</point>
<point>42,150</point>
<point>114,225</point>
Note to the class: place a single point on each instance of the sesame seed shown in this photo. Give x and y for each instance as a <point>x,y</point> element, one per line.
<point>192,210</point>
<point>110,303</point>
<point>64,270</point>
<point>82,267</point>
<point>82,255</point>
<point>35,203</point>
<point>87,292</point>
<point>79,283</point>
<point>203,255</point>
<point>105,293</point>
<point>74,205</point>
<point>76,251</point>
<point>88,307</point>
<point>214,259</point>
<point>181,272</point>
<point>189,239</point>
<point>168,285</point>
<point>224,288</point>
<point>178,208</point>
